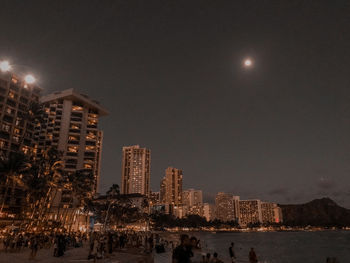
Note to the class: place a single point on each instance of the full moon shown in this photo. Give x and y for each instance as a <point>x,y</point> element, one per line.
<point>248,62</point>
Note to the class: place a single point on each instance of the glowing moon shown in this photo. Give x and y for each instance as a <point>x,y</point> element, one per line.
<point>248,63</point>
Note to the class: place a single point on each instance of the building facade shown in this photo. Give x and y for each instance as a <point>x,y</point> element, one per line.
<point>250,212</point>
<point>227,207</point>
<point>271,213</point>
<point>70,123</point>
<point>192,197</point>
<point>171,187</point>
<point>136,170</point>
<point>208,211</point>
<point>18,101</point>
<point>17,124</point>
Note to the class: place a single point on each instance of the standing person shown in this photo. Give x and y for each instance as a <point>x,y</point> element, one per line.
<point>252,256</point>
<point>95,249</point>
<point>215,259</point>
<point>208,258</point>
<point>55,247</point>
<point>232,252</point>
<point>34,247</point>
<point>182,253</point>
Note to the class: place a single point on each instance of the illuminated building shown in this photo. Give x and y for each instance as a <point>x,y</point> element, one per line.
<point>70,123</point>
<point>250,212</point>
<point>17,99</point>
<point>136,170</point>
<point>171,187</point>
<point>227,207</point>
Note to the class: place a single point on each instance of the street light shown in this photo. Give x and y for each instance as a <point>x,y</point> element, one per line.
<point>5,66</point>
<point>29,79</point>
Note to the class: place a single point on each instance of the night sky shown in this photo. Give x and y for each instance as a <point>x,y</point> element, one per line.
<point>171,75</point>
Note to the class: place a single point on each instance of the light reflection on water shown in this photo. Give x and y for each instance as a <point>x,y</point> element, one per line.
<point>276,247</point>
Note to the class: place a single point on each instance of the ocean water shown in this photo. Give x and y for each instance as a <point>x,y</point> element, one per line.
<point>276,247</point>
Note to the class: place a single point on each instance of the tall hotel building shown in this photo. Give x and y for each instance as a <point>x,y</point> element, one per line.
<point>136,170</point>
<point>16,124</point>
<point>171,187</point>
<point>271,213</point>
<point>70,122</point>
<point>227,207</point>
<point>192,197</point>
<point>250,212</point>
<point>17,101</point>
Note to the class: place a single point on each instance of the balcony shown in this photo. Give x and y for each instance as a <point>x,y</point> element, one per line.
<point>11,102</point>
<point>89,154</point>
<point>74,130</point>
<point>73,154</point>
<point>8,119</point>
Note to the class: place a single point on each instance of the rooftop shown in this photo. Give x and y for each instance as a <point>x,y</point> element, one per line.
<point>73,94</point>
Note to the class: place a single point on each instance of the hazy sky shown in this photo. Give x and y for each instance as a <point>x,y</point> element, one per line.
<point>171,75</point>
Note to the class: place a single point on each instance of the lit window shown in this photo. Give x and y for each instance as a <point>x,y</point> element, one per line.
<point>73,149</point>
<point>77,108</point>
<point>6,127</point>
<point>25,149</point>
<point>92,122</point>
<point>87,166</point>
<point>74,126</point>
<point>90,136</point>
<point>9,110</point>
<point>89,148</point>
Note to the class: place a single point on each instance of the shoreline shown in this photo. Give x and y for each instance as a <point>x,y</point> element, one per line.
<point>186,230</point>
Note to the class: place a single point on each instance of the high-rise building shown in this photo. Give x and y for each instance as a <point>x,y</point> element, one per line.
<point>192,201</point>
<point>70,123</point>
<point>17,101</point>
<point>278,214</point>
<point>227,207</point>
<point>208,211</point>
<point>271,213</point>
<point>267,212</point>
<point>171,187</point>
<point>250,212</point>
<point>192,197</point>
<point>136,170</point>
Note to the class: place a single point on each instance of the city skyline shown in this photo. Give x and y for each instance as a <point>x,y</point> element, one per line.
<point>174,82</point>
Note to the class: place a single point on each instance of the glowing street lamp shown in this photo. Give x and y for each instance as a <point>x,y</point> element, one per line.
<point>29,79</point>
<point>5,66</point>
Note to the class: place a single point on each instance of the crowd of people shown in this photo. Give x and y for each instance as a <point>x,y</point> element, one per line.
<point>189,251</point>
<point>16,241</point>
<point>102,243</point>
<point>98,244</point>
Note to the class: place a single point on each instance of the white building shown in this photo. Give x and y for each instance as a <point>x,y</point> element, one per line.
<point>70,123</point>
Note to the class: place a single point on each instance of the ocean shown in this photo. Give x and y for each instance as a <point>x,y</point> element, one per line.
<point>275,247</point>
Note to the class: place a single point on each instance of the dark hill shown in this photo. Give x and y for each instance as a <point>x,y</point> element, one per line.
<point>319,212</point>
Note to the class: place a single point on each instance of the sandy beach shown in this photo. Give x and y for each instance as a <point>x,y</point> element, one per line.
<point>131,255</point>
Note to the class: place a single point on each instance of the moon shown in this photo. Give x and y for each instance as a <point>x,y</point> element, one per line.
<point>248,62</point>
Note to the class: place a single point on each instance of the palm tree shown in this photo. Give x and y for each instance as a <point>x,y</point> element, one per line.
<point>81,185</point>
<point>45,180</point>
<point>35,112</point>
<point>113,190</point>
<point>12,171</point>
